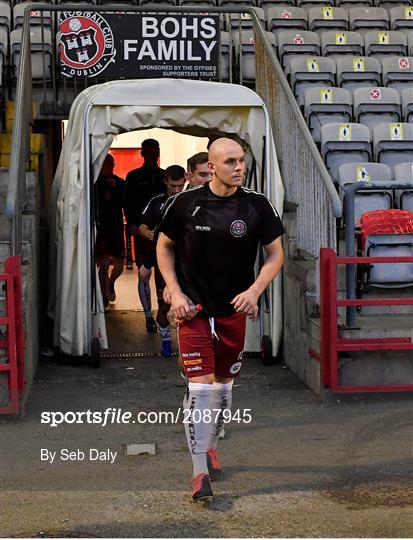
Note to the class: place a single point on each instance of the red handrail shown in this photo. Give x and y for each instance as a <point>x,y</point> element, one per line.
<point>13,343</point>
<point>331,344</point>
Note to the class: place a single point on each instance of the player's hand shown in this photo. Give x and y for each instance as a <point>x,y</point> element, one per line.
<point>246,302</point>
<point>181,305</point>
<point>133,230</point>
<point>166,296</point>
<point>145,273</point>
<point>150,235</point>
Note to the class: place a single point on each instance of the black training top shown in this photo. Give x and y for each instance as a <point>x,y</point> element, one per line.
<point>141,185</point>
<point>216,242</point>
<point>152,213</point>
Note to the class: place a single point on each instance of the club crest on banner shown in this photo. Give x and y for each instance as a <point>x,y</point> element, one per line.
<point>86,44</point>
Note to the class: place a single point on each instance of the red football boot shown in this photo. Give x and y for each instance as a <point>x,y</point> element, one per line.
<point>201,487</point>
<point>214,466</point>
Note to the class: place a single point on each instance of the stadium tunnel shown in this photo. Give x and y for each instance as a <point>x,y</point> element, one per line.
<point>97,115</point>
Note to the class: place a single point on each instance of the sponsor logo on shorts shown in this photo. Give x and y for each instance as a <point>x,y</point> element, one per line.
<point>203,228</point>
<point>195,368</point>
<point>235,368</point>
<point>240,356</point>
<point>193,362</point>
<point>190,354</point>
<point>238,228</point>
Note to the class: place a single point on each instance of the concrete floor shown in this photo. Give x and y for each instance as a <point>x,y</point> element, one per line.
<point>301,468</point>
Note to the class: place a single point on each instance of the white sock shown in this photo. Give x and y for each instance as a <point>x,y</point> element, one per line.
<point>165,332</point>
<point>196,400</point>
<point>220,398</point>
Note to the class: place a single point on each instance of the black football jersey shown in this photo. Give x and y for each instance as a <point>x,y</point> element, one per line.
<point>216,241</point>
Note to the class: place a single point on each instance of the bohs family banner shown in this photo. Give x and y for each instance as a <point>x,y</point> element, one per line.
<point>129,45</point>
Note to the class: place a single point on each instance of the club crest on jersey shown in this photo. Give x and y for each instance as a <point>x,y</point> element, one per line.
<point>238,228</point>
<point>86,44</point>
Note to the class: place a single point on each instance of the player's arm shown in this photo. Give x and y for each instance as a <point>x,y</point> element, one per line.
<point>166,261</point>
<point>146,232</point>
<point>246,302</point>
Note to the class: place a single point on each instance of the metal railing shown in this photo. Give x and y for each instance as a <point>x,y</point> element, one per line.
<point>306,180</point>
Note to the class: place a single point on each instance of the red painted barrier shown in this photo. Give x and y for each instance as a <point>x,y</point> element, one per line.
<point>13,342</point>
<point>332,344</point>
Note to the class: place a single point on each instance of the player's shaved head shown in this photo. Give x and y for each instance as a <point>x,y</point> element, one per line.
<point>223,146</point>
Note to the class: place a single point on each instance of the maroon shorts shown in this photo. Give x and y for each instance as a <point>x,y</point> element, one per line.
<point>212,345</point>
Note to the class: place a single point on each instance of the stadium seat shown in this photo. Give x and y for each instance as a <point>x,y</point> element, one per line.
<point>353,3</point>
<point>373,106</point>
<point>268,4</point>
<point>344,143</point>
<point>403,173</point>
<point>111,2</point>
<point>378,42</point>
<point>5,15</point>
<point>368,18</point>
<point>397,72</point>
<point>401,18</point>
<point>245,54</point>
<point>245,21</point>
<point>225,57</point>
<point>393,143</point>
<point>308,71</point>
<point>235,3</point>
<point>367,200</point>
<point>327,18</point>
<point>326,105</point>
<point>337,43</point>
<point>4,50</point>
<point>314,3</point>
<point>281,18</point>
<point>354,72</point>
<point>195,2</point>
<point>388,233</point>
<point>391,3</point>
<point>291,42</point>
<point>160,2</point>
<point>41,51</point>
<point>407,104</point>
<point>37,17</point>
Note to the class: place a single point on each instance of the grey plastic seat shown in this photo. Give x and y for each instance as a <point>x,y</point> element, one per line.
<point>379,42</point>
<point>327,18</point>
<point>41,51</point>
<point>357,71</point>
<point>245,53</point>
<point>368,18</point>
<point>306,71</point>
<point>410,43</point>
<point>367,200</point>
<point>397,72</point>
<point>5,15</point>
<point>313,3</point>
<point>4,50</point>
<point>376,105</point>
<point>160,2</point>
<point>337,43</point>
<point>393,143</point>
<point>344,143</point>
<point>401,18</point>
<point>353,3</point>
<point>390,275</point>
<point>235,3</point>
<point>390,3</point>
<point>407,104</point>
<point>245,21</point>
<point>280,18</point>
<point>195,2</point>
<point>37,17</point>
<point>292,42</point>
<point>225,57</point>
<point>403,173</point>
<point>268,4</point>
<point>323,105</point>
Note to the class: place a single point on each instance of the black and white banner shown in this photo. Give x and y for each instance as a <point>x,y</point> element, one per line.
<point>129,45</point>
